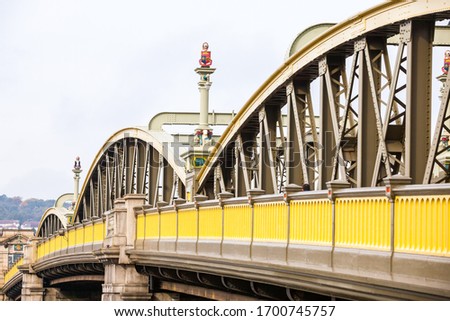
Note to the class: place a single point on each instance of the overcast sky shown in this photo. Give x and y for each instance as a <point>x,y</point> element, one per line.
<point>74,72</point>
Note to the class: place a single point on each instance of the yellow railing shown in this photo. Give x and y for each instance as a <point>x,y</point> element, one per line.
<point>71,238</point>
<point>422,224</point>
<point>210,223</point>
<point>168,224</point>
<point>88,234</point>
<point>99,232</point>
<point>311,222</point>
<point>76,238</point>
<point>187,223</point>
<point>140,226</point>
<point>152,226</point>
<point>238,222</point>
<point>363,223</point>
<point>270,222</point>
<point>79,236</point>
<point>40,251</point>
<point>13,271</point>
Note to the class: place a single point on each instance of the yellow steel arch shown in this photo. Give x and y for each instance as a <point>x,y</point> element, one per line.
<point>382,15</point>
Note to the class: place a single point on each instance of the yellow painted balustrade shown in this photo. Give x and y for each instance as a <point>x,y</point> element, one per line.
<point>13,270</point>
<point>238,222</point>
<point>88,234</point>
<point>168,224</point>
<point>422,224</point>
<point>270,222</point>
<point>152,226</point>
<point>210,222</point>
<point>73,239</point>
<point>187,223</point>
<point>40,251</point>
<point>140,226</point>
<point>363,223</point>
<point>79,237</point>
<point>99,232</point>
<point>311,222</point>
<point>46,246</point>
<point>58,243</point>
<point>51,245</point>
<point>64,243</point>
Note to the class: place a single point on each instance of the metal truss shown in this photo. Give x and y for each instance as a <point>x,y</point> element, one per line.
<point>438,165</point>
<point>50,226</point>
<point>391,160</point>
<point>302,156</point>
<point>128,166</point>
<point>360,126</point>
<point>374,119</point>
<point>256,159</point>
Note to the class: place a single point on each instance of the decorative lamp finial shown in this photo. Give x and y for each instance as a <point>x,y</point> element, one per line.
<point>76,179</point>
<point>446,62</point>
<point>205,60</point>
<point>77,164</point>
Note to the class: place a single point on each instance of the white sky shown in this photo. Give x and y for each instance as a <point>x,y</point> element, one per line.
<point>74,72</point>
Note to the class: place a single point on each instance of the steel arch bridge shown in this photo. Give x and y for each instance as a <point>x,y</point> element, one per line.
<point>338,192</point>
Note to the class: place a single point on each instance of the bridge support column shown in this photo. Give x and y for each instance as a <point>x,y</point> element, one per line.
<point>32,285</point>
<point>122,281</point>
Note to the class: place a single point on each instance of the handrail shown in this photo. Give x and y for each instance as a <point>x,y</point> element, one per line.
<point>14,270</point>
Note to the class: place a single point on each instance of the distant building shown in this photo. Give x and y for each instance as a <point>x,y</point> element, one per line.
<point>9,224</point>
<point>12,243</point>
<point>30,225</point>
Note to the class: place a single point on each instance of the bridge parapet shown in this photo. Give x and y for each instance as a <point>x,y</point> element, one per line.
<point>13,271</point>
<point>359,236</point>
<point>82,237</point>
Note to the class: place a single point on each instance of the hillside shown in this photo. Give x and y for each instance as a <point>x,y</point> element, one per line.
<point>14,208</point>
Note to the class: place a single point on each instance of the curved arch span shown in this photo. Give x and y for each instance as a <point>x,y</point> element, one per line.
<point>132,161</point>
<point>53,219</point>
<point>328,57</point>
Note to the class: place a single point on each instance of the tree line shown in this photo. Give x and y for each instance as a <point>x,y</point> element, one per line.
<point>14,208</point>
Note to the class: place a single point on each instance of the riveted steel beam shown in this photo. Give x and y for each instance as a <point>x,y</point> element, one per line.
<point>301,155</point>
<point>334,87</point>
<point>438,169</point>
<point>242,175</point>
<point>418,100</point>
<point>268,118</point>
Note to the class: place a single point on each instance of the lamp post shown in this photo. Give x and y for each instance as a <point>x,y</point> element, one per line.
<point>203,131</point>
<point>76,170</point>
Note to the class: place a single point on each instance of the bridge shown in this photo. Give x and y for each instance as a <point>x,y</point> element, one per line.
<point>330,183</point>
